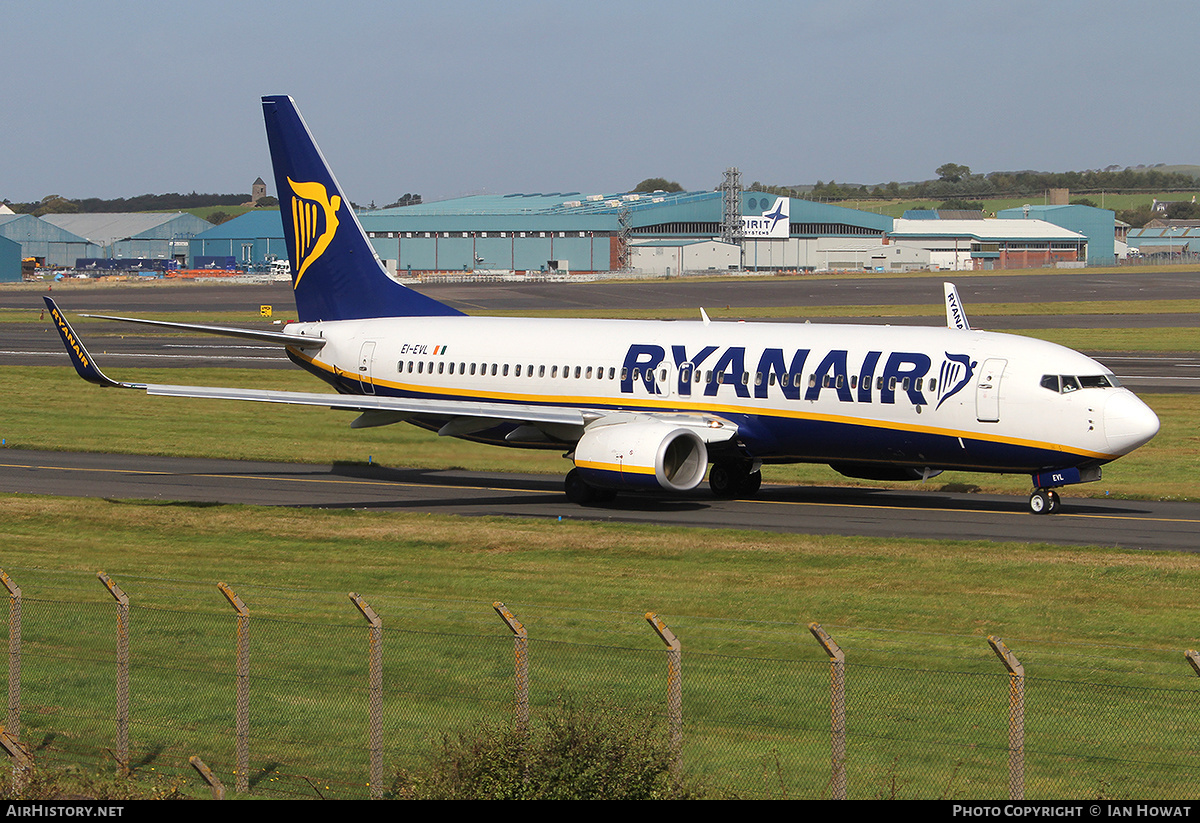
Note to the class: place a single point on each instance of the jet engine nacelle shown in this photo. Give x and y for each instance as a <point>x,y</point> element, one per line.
<point>640,452</point>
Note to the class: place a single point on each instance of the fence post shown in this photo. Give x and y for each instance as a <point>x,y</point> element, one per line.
<point>214,783</point>
<point>12,724</point>
<point>22,763</point>
<point>122,669</point>
<point>242,755</point>
<point>674,691</point>
<point>521,658</point>
<point>1016,718</point>
<point>375,696</point>
<point>837,701</point>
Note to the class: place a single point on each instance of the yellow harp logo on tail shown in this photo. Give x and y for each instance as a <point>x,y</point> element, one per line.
<point>314,222</point>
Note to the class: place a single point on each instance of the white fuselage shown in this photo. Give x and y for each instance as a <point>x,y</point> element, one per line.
<point>798,392</point>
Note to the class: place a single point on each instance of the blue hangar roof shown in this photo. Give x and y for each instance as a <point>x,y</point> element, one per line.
<point>697,212</point>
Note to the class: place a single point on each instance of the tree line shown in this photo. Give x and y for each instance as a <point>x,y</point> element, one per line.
<point>956,182</point>
<point>57,204</point>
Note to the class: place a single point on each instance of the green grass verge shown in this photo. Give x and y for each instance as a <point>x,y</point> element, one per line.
<point>1066,309</point>
<point>928,699</point>
<point>1113,202</point>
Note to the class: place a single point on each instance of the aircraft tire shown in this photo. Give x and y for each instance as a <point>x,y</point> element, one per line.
<point>577,489</point>
<point>732,479</point>
<point>1040,502</point>
<point>753,483</point>
<point>722,481</point>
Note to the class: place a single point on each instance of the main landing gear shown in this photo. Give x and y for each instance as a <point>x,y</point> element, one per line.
<point>582,493</point>
<point>730,479</point>
<point>1044,501</point>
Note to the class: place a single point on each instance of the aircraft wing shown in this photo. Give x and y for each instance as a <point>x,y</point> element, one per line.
<point>407,406</point>
<point>465,416</point>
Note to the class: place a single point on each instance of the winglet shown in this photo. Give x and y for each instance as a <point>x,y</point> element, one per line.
<point>80,359</point>
<point>956,318</point>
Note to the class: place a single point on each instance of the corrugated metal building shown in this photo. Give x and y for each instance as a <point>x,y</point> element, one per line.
<point>988,244</point>
<point>10,261</point>
<point>1097,225</point>
<point>254,238</point>
<point>1171,241</point>
<point>150,235</point>
<point>49,244</point>
<point>537,232</point>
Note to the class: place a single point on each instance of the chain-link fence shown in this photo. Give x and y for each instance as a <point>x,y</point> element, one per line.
<point>762,710</point>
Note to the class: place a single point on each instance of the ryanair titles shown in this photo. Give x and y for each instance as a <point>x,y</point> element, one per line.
<point>73,345</point>
<point>795,374</point>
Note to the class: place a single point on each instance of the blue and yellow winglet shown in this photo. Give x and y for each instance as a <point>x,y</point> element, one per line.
<point>80,359</point>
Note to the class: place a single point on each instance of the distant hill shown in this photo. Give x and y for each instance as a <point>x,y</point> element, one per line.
<point>57,204</point>
<point>1190,171</point>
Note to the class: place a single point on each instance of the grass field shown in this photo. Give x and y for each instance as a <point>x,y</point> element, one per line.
<point>1113,202</point>
<point>928,698</point>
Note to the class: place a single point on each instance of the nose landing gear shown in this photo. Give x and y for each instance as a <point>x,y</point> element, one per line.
<point>1044,501</point>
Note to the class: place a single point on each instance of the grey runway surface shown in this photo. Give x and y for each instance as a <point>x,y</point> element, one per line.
<point>800,510</point>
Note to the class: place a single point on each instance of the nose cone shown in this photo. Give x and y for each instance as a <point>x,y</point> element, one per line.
<point>1128,422</point>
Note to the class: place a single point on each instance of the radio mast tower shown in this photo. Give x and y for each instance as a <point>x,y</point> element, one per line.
<point>731,200</point>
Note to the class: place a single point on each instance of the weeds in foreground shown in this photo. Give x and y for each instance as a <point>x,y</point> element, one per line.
<point>591,752</point>
<point>73,784</point>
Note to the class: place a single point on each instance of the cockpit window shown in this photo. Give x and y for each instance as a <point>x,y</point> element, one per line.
<point>1065,383</point>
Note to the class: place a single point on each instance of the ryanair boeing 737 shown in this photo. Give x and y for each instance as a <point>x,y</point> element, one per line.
<point>648,405</point>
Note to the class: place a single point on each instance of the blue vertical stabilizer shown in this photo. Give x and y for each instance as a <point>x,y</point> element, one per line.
<point>335,272</point>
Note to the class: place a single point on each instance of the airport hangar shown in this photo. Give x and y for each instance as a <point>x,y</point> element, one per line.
<point>658,233</point>
<point>665,234</point>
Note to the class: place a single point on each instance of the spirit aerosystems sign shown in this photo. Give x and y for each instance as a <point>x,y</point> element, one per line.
<point>773,222</point>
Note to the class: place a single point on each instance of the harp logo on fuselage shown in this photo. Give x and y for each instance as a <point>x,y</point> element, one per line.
<point>314,223</point>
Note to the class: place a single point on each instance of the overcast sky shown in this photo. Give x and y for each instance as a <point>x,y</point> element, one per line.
<point>447,98</point>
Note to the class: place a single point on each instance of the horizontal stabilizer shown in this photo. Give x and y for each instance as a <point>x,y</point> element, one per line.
<point>278,338</point>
